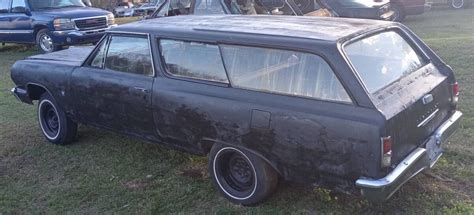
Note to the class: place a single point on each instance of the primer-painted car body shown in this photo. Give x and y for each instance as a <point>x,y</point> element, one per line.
<point>304,139</point>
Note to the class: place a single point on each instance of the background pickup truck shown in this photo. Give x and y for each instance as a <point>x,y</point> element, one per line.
<point>52,24</point>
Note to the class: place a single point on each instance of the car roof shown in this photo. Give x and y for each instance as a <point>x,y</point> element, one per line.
<point>320,28</point>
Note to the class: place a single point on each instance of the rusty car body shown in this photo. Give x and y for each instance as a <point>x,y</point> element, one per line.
<point>265,97</point>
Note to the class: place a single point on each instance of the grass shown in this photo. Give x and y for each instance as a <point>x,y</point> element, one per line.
<point>106,172</point>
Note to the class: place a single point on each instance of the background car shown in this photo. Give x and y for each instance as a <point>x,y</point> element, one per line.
<point>379,9</point>
<point>403,8</point>
<point>456,4</point>
<point>271,7</point>
<point>52,24</point>
<point>148,8</point>
<point>124,9</point>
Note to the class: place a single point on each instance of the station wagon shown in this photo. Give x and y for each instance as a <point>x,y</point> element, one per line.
<point>358,102</point>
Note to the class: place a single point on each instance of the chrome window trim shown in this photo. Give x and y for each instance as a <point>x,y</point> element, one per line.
<point>408,38</point>
<point>108,36</point>
<point>182,77</point>
<point>121,33</point>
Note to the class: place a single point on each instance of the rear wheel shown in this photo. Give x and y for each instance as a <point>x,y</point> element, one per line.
<point>241,176</point>
<point>45,42</point>
<point>55,125</point>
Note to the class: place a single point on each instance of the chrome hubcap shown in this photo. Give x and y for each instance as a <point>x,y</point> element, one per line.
<point>457,3</point>
<point>46,43</point>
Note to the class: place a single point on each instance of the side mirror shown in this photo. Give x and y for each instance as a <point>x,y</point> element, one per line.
<point>21,10</point>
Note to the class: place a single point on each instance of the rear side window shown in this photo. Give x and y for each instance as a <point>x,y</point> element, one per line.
<point>4,5</point>
<point>193,60</point>
<point>382,59</point>
<point>282,71</point>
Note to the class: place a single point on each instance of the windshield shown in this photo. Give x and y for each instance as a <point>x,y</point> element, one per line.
<point>382,59</point>
<point>50,4</point>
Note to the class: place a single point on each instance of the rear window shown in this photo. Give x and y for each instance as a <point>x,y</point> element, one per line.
<point>382,59</point>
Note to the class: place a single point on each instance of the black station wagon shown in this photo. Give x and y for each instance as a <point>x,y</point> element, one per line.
<point>266,98</point>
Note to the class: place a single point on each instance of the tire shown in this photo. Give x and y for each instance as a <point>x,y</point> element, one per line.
<point>45,42</point>
<point>241,176</point>
<point>55,125</point>
<point>399,13</point>
<point>458,4</point>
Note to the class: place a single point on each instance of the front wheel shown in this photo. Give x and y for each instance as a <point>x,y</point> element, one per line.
<point>45,42</point>
<point>55,125</point>
<point>241,176</point>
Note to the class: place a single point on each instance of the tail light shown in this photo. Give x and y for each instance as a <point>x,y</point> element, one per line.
<point>456,89</point>
<point>386,151</point>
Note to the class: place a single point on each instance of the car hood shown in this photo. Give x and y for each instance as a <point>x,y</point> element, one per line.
<point>73,12</point>
<point>71,56</point>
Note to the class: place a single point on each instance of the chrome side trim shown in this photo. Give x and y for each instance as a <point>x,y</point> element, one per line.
<point>428,119</point>
<point>392,177</point>
<point>16,31</point>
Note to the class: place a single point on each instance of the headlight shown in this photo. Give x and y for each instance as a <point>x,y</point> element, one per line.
<point>64,24</point>
<point>110,19</point>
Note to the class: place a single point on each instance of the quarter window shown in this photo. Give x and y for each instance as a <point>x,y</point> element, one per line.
<point>193,60</point>
<point>282,71</point>
<point>4,5</point>
<point>99,58</point>
<point>130,54</point>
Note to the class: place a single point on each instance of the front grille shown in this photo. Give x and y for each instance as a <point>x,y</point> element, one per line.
<point>92,23</point>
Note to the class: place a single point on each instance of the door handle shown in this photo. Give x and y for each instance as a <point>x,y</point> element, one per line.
<point>141,89</point>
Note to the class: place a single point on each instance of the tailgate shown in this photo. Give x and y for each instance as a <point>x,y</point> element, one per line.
<point>415,107</point>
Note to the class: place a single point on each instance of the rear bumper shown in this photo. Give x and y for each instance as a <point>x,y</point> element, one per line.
<point>74,37</point>
<point>21,94</point>
<point>419,160</point>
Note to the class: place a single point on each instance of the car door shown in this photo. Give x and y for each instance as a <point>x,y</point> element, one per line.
<point>21,23</point>
<point>114,86</point>
<point>4,20</point>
